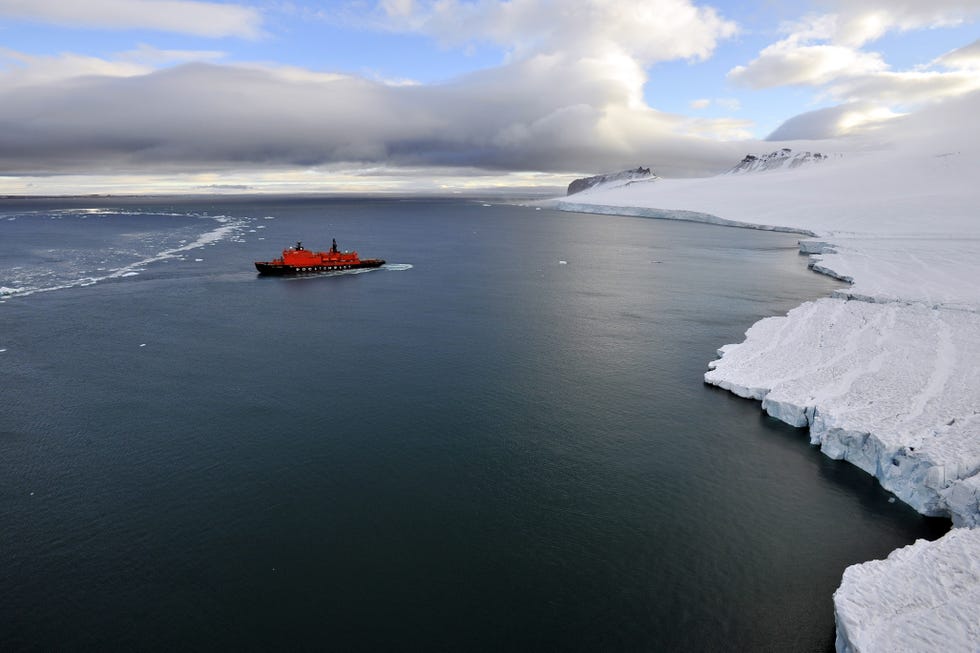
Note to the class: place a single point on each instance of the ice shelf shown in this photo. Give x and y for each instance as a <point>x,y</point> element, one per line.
<point>923,597</point>
<point>885,373</point>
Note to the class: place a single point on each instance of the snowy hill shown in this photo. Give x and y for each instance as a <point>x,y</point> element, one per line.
<point>885,373</point>
<point>782,159</point>
<point>611,180</point>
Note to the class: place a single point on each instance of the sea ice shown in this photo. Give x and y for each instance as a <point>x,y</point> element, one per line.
<point>922,597</point>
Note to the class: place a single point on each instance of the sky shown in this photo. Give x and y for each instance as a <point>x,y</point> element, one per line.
<point>448,96</point>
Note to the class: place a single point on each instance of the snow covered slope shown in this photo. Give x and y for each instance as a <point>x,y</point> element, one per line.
<point>886,374</point>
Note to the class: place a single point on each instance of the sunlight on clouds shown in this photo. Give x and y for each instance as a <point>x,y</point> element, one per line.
<point>656,30</point>
<point>722,129</point>
<point>965,58</point>
<point>852,120</point>
<point>785,63</point>
<point>568,96</point>
<point>826,51</point>
<point>18,68</point>
<point>211,19</point>
<point>906,88</point>
<point>862,22</point>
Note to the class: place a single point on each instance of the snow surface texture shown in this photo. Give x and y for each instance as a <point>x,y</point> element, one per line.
<point>931,590</point>
<point>890,382</point>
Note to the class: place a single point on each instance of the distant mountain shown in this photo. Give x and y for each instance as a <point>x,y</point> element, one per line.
<point>611,180</point>
<point>780,159</point>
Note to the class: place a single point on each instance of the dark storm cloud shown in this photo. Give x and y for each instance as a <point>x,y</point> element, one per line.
<point>548,112</point>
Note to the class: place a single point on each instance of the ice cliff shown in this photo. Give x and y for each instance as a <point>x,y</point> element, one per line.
<point>886,373</point>
<point>923,597</point>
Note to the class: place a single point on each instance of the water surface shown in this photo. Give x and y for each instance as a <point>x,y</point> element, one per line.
<point>501,441</point>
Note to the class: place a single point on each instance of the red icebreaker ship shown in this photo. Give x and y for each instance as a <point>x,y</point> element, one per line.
<point>298,260</point>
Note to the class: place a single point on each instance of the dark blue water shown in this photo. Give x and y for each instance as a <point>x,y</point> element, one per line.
<point>476,448</point>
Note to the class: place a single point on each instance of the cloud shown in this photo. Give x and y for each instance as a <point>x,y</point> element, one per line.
<point>211,19</point>
<point>730,103</point>
<point>826,52</point>
<point>650,31</point>
<point>965,58</point>
<point>20,69</point>
<point>905,88</point>
<point>821,48</point>
<point>786,63</point>
<point>832,122</point>
<point>568,98</point>
<point>862,22</point>
<point>152,56</point>
<point>548,112</point>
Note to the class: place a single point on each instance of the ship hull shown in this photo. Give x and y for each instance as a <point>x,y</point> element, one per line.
<point>269,268</point>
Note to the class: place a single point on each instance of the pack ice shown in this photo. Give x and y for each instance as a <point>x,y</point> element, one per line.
<point>885,373</point>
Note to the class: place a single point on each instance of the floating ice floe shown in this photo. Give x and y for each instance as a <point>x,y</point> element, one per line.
<point>228,228</point>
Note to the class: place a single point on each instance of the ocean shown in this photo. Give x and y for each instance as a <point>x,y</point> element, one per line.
<point>501,440</point>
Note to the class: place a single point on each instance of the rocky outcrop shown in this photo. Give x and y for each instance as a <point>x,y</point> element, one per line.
<point>611,179</point>
<point>780,159</point>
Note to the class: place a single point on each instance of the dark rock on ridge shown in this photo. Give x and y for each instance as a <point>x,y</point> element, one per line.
<point>585,183</point>
<point>783,158</point>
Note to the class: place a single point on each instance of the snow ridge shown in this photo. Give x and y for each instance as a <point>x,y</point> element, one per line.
<point>612,180</point>
<point>783,158</point>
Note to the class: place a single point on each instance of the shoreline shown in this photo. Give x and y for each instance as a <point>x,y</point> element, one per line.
<point>844,367</point>
<point>961,514</point>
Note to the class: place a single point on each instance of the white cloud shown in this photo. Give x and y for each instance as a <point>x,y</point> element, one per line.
<point>151,56</point>
<point>785,63</point>
<point>212,19</point>
<point>730,103</point>
<point>906,88</point>
<point>20,69</point>
<point>965,58</point>
<point>862,22</point>
<point>825,51</point>
<point>832,122</point>
<point>722,129</point>
<point>650,31</point>
<point>549,112</point>
<point>569,97</point>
